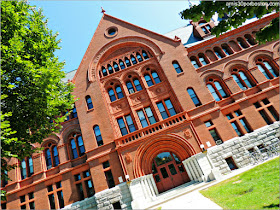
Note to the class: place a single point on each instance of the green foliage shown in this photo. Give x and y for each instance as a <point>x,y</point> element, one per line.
<point>32,93</point>
<point>257,188</point>
<point>237,15</point>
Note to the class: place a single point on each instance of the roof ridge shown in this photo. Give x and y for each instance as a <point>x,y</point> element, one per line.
<point>158,34</point>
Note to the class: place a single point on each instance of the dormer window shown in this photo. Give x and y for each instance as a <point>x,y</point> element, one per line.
<point>204,30</point>
<point>208,28</point>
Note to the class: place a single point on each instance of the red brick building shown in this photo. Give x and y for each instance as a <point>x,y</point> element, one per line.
<point>148,107</point>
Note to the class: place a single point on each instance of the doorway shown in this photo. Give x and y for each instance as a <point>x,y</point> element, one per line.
<point>168,171</point>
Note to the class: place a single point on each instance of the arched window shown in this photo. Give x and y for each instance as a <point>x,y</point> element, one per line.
<point>104,71</point>
<point>76,145</point>
<point>51,156</point>
<point>137,84</point>
<point>48,158</point>
<point>133,85</point>
<point>151,77</point>
<point>177,67</point>
<point>74,149</point>
<point>241,79</point>
<point>218,52</point>
<point>205,30</point>
<point>148,80</point>
<point>216,89</point>
<point>74,112</point>
<point>110,69</point>
<point>55,156</point>
<point>121,64</point>
<point>119,92</point>
<point>127,62</point>
<point>98,136</point>
<point>130,87</point>
<point>266,68</point>
<point>89,102</point>
<point>194,97</point>
<point>227,49</point>
<point>139,57</point>
<point>72,115</point>
<point>195,63</point>
<point>208,27</point>
<point>112,95</point>
<point>145,55</point>
<point>250,39</point>
<point>116,67</point>
<point>133,60</point>
<point>156,77</point>
<point>242,43</point>
<point>202,59</point>
<point>27,169</point>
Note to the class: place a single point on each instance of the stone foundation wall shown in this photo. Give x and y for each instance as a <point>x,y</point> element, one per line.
<point>143,189</point>
<point>238,147</point>
<point>105,199</point>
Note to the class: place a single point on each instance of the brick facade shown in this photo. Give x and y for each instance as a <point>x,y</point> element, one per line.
<point>181,128</point>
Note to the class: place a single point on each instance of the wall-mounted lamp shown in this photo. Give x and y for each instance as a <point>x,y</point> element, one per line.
<point>202,148</point>
<point>127,177</point>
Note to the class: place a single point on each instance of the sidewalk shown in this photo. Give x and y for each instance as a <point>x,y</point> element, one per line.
<point>190,198</point>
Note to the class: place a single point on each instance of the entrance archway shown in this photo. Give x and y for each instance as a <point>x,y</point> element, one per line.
<point>154,146</point>
<point>168,171</point>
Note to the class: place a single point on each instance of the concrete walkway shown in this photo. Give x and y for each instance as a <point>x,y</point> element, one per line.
<point>189,197</point>
<point>192,200</point>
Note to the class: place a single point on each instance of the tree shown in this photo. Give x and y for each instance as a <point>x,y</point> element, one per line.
<point>236,13</point>
<point>33,97</point>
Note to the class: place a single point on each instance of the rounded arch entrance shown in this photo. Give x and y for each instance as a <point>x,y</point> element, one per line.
<point>170,146</point>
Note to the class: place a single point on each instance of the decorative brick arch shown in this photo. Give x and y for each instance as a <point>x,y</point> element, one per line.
<point>114,79</point>
<point>228,66</point>
<point>131,72</point>
<point>71,129</point>
<point>210,73</point>
<point>145,154</point>
<point>116,44</point>
<point>151,66</point>
<point>50,140</point>
<point>259,53</point>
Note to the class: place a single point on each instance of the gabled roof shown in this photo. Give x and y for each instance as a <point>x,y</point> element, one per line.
<point>138,26</point>
<point>185,33</point>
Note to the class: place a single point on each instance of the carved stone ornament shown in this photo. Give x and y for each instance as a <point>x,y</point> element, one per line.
<point>158,90</point>
<point>128,158</point>
<point>119,106</point>
<point>187,134</point>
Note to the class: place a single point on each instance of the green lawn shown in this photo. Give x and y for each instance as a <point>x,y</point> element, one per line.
<point>257,188</point>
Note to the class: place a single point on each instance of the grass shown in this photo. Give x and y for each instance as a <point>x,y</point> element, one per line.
<point>257,188</point>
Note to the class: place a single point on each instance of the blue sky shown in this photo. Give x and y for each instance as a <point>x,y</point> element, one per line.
<point>76,21</point>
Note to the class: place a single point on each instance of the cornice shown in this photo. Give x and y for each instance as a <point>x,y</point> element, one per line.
<point>233,32</point>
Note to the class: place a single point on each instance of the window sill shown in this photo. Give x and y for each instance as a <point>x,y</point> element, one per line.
<point>90,110</point>
<point>116,101</point>
<point>180,74</point>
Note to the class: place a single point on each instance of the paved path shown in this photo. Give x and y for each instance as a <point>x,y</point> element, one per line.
<point>192,200</point>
